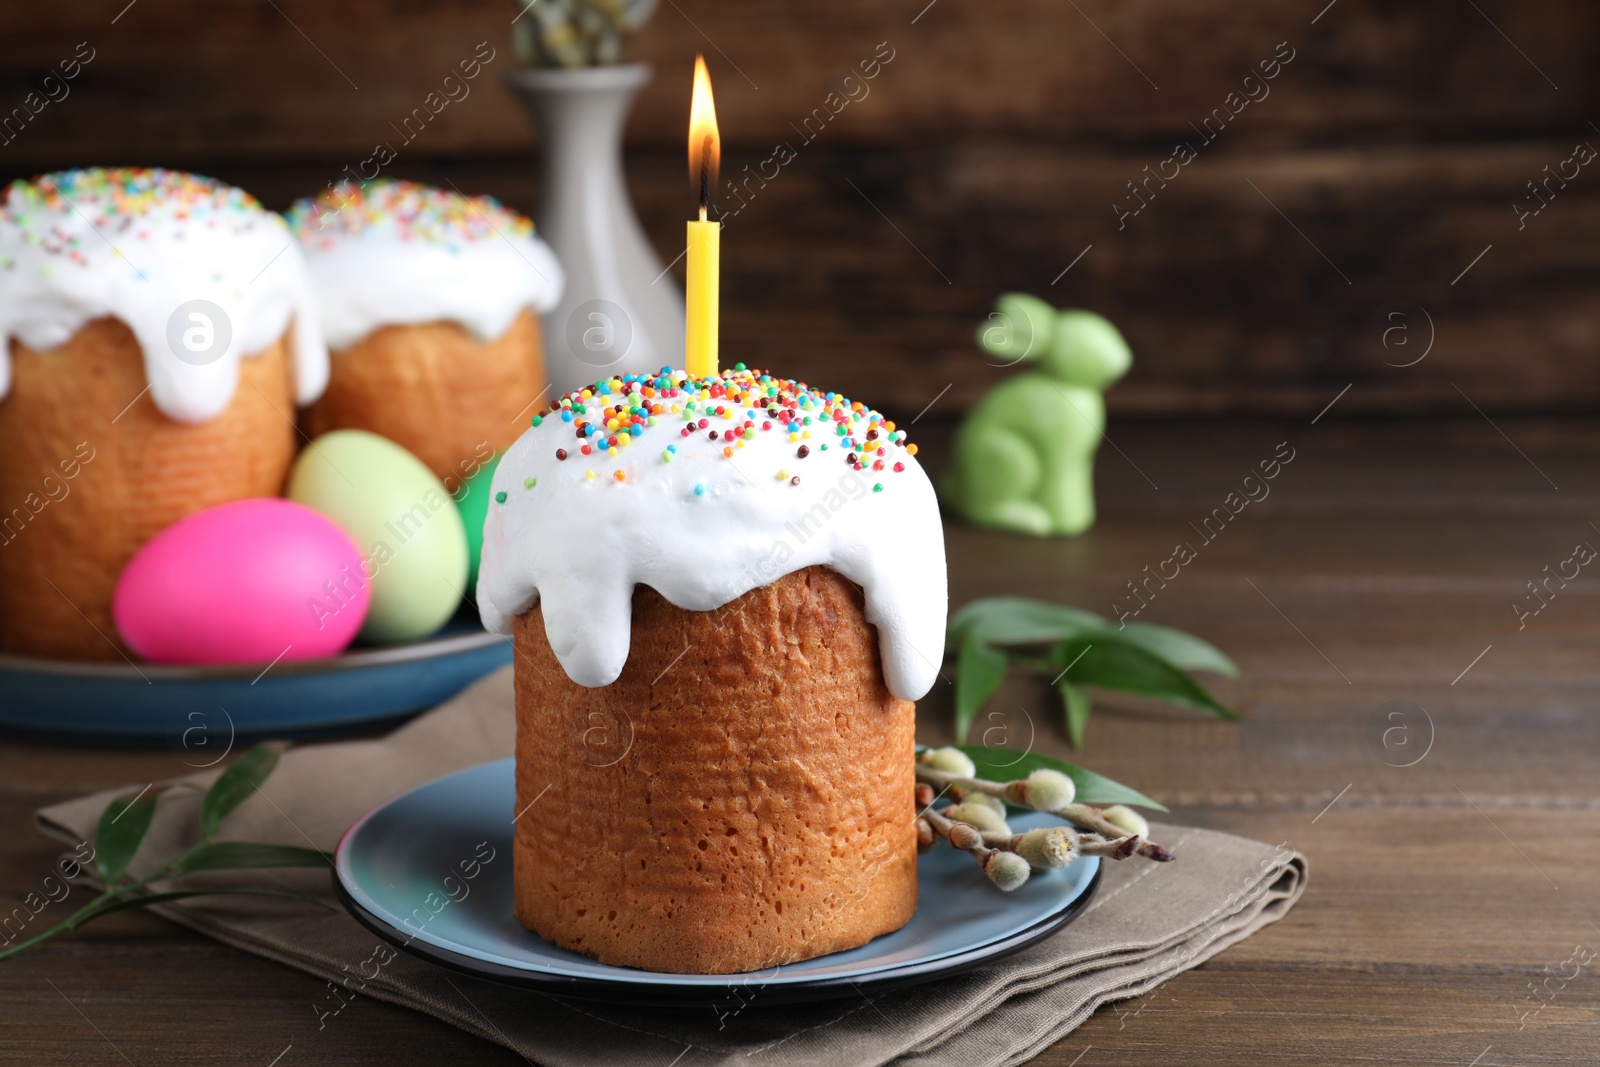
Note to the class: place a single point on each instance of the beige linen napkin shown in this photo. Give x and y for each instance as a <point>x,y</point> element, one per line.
<point>1147,923</point>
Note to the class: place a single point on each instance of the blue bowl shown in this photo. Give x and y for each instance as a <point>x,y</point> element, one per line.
<point>193,708</point>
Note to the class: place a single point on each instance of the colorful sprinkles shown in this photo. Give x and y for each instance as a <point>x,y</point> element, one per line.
<point>728,410</point>
<point>409,211</point>
<point>121,202</point>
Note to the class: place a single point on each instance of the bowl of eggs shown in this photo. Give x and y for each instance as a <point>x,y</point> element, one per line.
<point>343,604</point>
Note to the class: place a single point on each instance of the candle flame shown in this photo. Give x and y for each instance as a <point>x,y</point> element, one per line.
<point>705,143</point>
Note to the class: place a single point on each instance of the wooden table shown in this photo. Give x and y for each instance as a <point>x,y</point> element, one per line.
<point>1383,567</point>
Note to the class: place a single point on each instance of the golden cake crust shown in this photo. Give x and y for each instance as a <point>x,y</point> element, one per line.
<point>741,797</point>
<point>436,391</point>
<point>60,558</point>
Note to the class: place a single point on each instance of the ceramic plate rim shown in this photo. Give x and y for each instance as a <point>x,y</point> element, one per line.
<point>665,994</point>
<point>426,648</point>
<point>640,986</point>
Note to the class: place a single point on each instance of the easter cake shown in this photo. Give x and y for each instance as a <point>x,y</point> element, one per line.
<point>157,334</point>
<point>429,300</point>
<point>725,592</point>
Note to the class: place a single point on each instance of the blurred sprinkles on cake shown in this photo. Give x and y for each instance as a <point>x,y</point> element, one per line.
<point>386,253</point>
<point>704,489</point>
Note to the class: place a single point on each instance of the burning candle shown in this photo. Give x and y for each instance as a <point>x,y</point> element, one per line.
<point>705,236</point>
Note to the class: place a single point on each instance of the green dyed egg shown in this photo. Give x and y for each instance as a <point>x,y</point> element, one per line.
<point>474,507</point>
<point>413,545</point>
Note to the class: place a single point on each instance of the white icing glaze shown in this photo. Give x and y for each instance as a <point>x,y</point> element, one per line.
<point>580,545</point>
<point>136,245</point>
<point>395,253</point>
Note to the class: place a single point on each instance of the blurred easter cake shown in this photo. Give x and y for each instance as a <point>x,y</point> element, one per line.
<point>158,333</point>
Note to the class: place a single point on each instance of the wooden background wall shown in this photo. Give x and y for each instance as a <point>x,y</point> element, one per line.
<point>987,157</point>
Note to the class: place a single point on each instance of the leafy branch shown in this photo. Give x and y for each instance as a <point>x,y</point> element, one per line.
<point>126,821</point>
<point>1073,648</point>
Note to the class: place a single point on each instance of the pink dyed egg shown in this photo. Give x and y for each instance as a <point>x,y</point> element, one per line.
<point>251,581</point>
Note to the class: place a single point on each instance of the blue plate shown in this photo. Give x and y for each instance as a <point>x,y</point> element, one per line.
<point>401,853</point>
<point>197,709</point>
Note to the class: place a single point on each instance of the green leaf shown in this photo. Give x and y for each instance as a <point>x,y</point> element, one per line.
<point>234,785</point>
<point>1112,662</point>
<point>979,671</point>
<point>1178,648</point>
<point>244,855</point>
<point>122,828</point>
<point>1076,702</point>
<point>1016,620</point>
<point>1007,764</point>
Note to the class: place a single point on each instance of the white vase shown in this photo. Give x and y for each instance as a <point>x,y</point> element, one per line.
<point>621,311</point>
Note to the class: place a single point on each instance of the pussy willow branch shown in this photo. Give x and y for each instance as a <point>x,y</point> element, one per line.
<point>1093,845</point>
<point>997,863</point>
<point>1083,816</point>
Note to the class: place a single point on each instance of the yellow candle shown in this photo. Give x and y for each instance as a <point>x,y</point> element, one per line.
<point>700,334</point>
<point>703,290</point>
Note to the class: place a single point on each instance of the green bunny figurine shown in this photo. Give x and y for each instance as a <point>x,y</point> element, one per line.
<point>1024,457</point>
